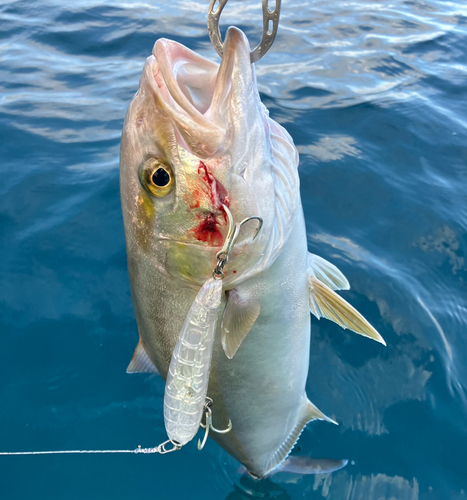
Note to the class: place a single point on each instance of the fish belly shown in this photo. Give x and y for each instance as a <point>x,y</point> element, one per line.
<point>262,388</point>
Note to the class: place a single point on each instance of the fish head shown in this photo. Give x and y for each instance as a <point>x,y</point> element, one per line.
<point>196,139</point>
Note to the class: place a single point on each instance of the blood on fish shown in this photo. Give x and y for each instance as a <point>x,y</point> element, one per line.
<point>207,229</point>
<point>219,195</point>
<point>208,232</point>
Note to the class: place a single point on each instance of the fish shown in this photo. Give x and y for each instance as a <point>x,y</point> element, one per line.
<point>196,141</point>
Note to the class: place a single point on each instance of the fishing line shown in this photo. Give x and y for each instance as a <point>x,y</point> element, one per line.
<point>158,449</point>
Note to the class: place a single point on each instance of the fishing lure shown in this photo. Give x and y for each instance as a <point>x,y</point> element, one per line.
<point>187,380</point>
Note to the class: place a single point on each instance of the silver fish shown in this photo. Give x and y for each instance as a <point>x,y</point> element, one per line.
<point>197,137</point>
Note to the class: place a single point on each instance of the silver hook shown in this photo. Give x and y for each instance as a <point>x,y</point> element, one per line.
<point>208,425</point>
<point>270,25</point>
<point>231,238</point>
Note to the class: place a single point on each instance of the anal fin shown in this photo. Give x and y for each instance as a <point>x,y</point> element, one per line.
<point>239,316</point>
<point>308,412</point>
<point>140,362</point>
<point>327,304</point>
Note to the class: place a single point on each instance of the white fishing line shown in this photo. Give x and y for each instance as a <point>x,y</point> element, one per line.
<point>158,449</point>
<point>137,450</point>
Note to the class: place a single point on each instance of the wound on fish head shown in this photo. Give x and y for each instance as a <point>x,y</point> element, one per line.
<point>212,189</point>
<point>217,191</point>
<point>207,231</point>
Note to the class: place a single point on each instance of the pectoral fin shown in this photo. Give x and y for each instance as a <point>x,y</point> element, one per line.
<point>327,304</point>
<point>140,362</point>
<point>327,273</point>
<point>239,316</point>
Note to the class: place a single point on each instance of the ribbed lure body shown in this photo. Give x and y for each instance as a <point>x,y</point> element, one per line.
<point>187,380</point>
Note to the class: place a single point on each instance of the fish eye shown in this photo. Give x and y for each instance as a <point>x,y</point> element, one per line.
<point>160,177</point>
<point>157,177</point>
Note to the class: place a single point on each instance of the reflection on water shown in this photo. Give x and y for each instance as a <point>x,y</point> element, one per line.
<point>330,148</point>
<point>375,97</point>
<point>248,487</point>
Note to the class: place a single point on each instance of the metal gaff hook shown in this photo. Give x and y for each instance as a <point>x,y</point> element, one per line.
<point>270,25</point>
<point>208,413</point>
<point>231,238</point>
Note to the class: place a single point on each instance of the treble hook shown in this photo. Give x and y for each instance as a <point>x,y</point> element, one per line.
<point>208,425</point>
<point>270,24</point>
<point>231,238</point>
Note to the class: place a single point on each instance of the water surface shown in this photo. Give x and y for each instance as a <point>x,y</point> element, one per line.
<point>375,97</point>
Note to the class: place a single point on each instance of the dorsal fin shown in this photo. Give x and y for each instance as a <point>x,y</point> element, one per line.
<point>140,362</point>
<point>327,273</point>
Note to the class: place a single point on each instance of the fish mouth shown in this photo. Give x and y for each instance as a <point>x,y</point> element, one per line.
<point>196,93</point>
<point>189,78</point>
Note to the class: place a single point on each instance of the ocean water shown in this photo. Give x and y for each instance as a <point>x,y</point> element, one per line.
<point>374,94</point>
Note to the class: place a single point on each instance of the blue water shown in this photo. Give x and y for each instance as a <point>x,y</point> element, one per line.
<point>375,96</point>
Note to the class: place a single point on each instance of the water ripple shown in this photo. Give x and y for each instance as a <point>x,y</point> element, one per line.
<point>374,95</point>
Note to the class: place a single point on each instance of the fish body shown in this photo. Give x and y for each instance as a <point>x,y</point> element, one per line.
<point>197,138</point>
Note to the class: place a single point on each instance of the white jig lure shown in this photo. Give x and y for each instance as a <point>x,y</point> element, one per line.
<point>187,381</point>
